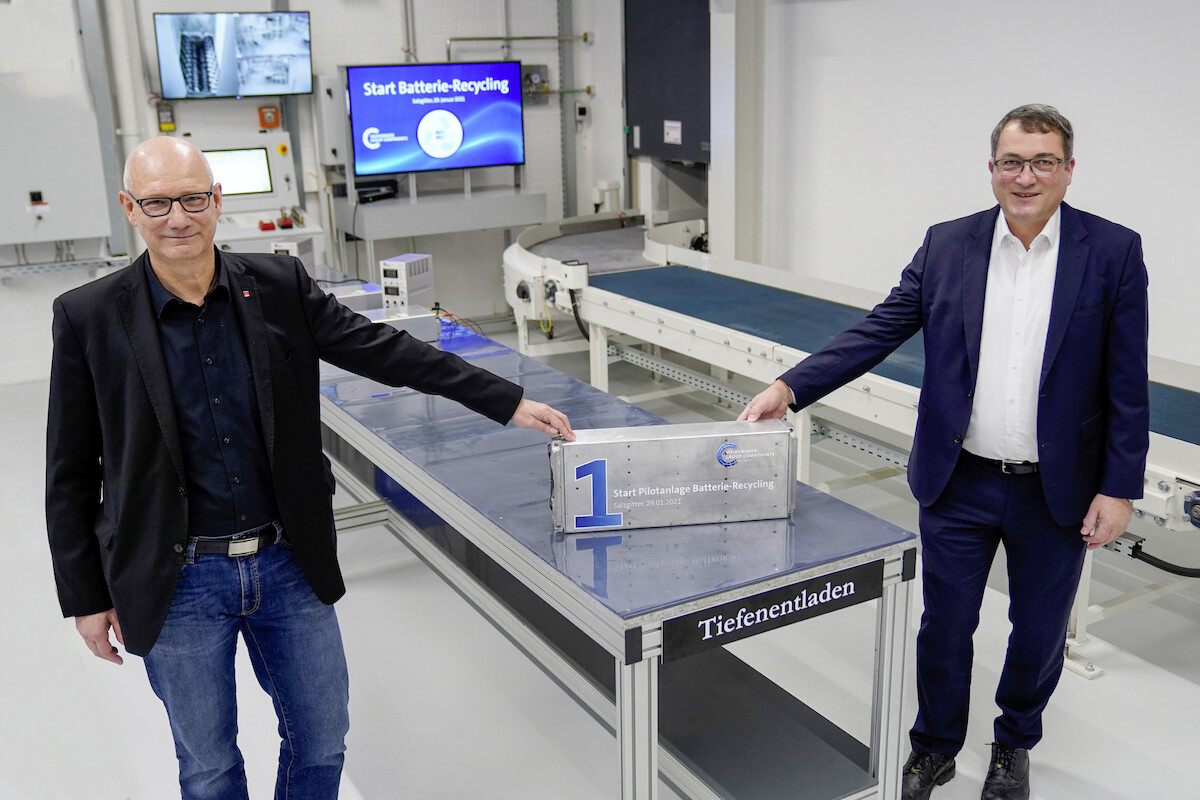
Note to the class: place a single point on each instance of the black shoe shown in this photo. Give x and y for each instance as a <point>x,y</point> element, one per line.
<point>1008,774</point>
<point>922,772</point>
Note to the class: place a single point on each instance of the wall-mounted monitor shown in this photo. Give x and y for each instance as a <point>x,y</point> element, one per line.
<point>421,117</point>
<point>233,54</point>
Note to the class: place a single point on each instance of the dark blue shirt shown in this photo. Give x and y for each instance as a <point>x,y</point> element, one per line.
<point>224,456</point>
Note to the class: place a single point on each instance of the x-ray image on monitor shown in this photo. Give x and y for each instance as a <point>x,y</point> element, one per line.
<point>233,54</point>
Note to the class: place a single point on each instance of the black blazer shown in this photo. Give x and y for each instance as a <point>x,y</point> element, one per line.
<point>1093,415</point>
<point>116,504</point>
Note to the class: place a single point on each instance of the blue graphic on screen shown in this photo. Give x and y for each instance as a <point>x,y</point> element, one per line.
<point>420,117</point>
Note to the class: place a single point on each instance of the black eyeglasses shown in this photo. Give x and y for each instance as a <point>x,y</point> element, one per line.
<point>161,206</point>
<point>1042,165</point>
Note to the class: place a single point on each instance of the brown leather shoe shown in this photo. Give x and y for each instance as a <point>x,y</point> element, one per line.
<point>1008,774</point>
<point>922,772</point>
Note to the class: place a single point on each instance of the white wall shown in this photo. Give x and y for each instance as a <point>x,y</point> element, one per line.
<point>872,110</point>
<point>600,143</point>
<point>40,53</point>
<point>469,280</point>
<point>877,115</point>
<point>467,266</point>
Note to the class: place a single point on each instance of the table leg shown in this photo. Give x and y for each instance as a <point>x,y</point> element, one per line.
<point>889,746</point>
<point>373,273</point>
<point>637,728</point>
<point>802,424</point>
<point>598,349</point>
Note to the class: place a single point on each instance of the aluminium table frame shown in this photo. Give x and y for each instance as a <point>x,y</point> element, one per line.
<point>635,643</point>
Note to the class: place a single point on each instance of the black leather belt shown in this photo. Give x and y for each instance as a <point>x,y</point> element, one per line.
<point>1006,467</point>
<point>246,543</point>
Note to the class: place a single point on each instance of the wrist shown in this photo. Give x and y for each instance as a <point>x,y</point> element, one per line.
<point>788,393</point>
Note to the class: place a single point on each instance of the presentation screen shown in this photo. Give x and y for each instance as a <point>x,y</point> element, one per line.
<point>233,54</point>
<point>242,171</point>
<point>420,117</point>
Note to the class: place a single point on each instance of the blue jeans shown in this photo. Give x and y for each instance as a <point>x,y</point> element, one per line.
<point>296,649</point>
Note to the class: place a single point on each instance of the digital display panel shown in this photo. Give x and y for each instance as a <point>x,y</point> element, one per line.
<point>233,54</point>
<point>241,171</point>
<point>421,117</point>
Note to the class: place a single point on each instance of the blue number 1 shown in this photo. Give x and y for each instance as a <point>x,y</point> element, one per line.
<point>598,470</point>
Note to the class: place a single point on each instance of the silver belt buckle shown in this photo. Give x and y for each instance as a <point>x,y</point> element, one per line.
<point>243,547</point>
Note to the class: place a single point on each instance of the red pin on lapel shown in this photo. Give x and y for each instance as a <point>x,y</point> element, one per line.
<point>245,292</point>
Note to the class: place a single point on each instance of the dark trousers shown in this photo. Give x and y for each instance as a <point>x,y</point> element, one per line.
<point>980,509</point>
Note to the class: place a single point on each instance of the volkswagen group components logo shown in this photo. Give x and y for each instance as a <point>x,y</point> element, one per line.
<point>724,460</point>
<point>372,138</point>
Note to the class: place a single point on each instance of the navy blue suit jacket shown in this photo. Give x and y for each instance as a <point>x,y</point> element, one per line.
<point>1093,404</point>
<point>116,503</point>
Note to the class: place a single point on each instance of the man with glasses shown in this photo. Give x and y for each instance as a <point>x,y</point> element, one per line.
<point>1032,430</point>
<point>187,497</point>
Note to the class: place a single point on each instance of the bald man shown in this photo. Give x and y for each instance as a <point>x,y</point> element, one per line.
<point>187,497</point>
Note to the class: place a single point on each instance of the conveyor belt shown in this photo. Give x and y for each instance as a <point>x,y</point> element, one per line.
<point>603,251</point>
<point>808,323</point>
<point>795,320</point>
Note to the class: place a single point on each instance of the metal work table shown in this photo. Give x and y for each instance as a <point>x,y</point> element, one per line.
<point>628,621</point>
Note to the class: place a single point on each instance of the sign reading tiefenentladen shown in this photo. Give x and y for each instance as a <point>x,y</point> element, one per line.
<point>749,616</point>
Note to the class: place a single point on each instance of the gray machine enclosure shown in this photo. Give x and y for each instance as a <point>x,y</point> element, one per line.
<point>659,475</point>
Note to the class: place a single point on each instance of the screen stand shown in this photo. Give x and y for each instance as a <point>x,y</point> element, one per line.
<point>411,179</point>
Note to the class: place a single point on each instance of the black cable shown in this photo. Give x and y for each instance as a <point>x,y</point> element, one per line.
<point>1165,566</point>
<point>578,320</point>
<point>339,283</point>
<point>454,319</point>
<point>470,323</point>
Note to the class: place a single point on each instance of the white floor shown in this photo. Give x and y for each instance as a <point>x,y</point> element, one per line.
<point>443,706</point>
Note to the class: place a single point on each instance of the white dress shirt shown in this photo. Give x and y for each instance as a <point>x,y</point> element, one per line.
<point>1016,316</point>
